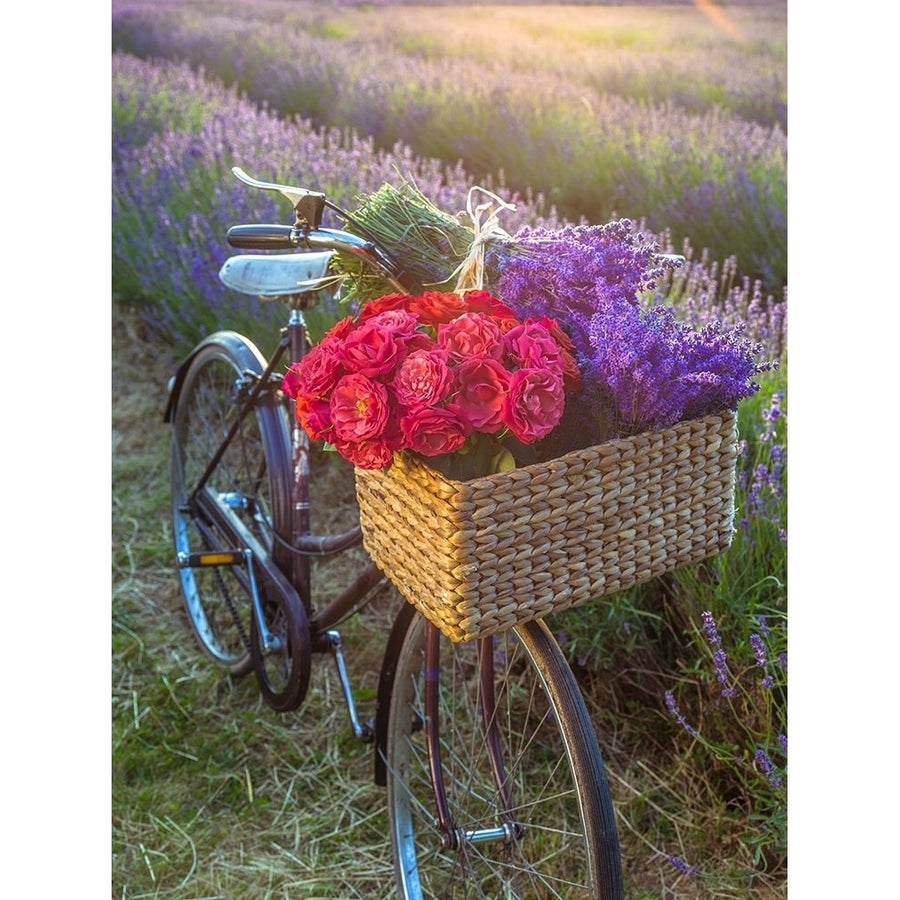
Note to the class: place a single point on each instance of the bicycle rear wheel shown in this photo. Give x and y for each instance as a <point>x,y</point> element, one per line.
<point>527,795</point>
<point>252,478</point>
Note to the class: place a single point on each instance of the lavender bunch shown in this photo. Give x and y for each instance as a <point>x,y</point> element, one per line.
<point>578,271</point>
<point>641,368</point>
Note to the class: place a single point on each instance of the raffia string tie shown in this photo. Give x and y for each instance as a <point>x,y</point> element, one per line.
<point>470,272</point>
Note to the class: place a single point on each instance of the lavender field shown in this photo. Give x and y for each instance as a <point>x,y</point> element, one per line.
<point>671,117</point>
<point>659,113</point>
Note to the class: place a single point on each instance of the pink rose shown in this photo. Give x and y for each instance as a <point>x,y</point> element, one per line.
<point>534,404</point>
<point>359,408</point>
<point>399,322</point>
<point>423,378</point>
<point>532,346</point>
<point>433,431</point>
<point>371,349</point>
<point>571,372</point>
<point>470,335</point>
<point>372,453</point>
<point>479,394</point>
<point>314,415</point>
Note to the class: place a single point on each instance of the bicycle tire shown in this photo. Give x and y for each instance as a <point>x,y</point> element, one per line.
<point>254,474</point>
<point>560,837</point>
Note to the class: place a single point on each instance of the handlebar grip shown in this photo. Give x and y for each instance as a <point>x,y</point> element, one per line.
<point>262,237</point>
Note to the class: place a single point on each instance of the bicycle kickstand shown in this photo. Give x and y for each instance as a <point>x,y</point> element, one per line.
<point>364,732</point>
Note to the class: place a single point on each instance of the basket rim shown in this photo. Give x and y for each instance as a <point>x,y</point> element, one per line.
<point>415,463</point>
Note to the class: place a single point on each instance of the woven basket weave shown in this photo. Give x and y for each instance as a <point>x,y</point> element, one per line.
<point>480,556</point>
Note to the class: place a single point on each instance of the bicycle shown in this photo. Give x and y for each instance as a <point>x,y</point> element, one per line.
<point>495,781</point>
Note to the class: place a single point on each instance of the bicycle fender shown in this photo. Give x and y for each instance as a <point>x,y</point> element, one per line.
<point>386,687</point>
<point>243,349</point>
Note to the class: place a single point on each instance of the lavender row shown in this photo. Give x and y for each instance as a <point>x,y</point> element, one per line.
<point>174,198</point>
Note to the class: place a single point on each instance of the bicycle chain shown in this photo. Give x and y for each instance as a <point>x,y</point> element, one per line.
<point>229,602</point>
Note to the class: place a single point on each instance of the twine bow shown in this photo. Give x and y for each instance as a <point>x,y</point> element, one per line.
<point>470,272</point>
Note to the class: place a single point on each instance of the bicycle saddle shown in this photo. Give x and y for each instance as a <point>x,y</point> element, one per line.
<point>278,275</point>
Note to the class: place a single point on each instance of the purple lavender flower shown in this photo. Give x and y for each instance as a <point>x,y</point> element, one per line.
<point>711,629</point>
<point>759,650</point>
<point>762,477</point>
<point>772,416</point>
<point>682,866</point>
<point>720,661</point>
<point>641,368</point>
<point>576,272</point>
<point>672,706</point>
<point>767,768</point>
<point>762,659</point>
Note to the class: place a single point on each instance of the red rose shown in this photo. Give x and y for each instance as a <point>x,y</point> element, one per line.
<point>485,302</point>
<point>423,378</point>
<point>534,404</point>
<point>478,398</point>
<point>314,414</point>
<point>470,335</point>
<point>432,431</point>
<point>373,453</point>
<point>371,350</point>
<point>290,384</point>
<point>381,304</point>
<point>436,307</point>
<point>318,372</point>
<point>341,328</point>
<point>359,408</point>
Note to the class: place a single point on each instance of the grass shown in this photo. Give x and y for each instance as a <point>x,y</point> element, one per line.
<point>213,794</point>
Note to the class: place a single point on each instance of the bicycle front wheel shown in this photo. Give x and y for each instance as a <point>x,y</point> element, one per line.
<point>526,805</point>
<point>252,478</point>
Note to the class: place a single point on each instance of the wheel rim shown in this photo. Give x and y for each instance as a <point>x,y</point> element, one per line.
<point>549,858</point>
<point>216,598</point>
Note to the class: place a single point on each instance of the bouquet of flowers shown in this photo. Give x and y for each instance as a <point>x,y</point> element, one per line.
<point>541,347</point>
<point>455,377</point>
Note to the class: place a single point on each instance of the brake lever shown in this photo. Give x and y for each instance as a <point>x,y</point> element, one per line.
<point>308,205</point>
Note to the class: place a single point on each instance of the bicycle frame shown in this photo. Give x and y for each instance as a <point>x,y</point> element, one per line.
<point>458,779</point>
<point>289,568</point>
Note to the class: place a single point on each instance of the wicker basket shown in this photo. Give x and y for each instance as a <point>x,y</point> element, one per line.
<point>480,556</point>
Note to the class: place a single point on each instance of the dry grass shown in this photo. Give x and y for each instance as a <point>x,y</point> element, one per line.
<point>214,795</point>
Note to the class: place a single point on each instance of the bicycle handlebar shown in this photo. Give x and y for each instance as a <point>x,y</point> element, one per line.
<point>306,233</point>
<point>262,237</point>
